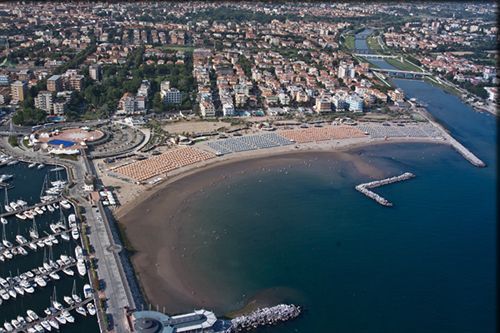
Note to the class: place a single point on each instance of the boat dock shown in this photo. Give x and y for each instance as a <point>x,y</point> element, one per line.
<point>22,210</point>
<point>14,249</point>
<point>265,316</point>
<point>52,316</point>
<point>364,188</point>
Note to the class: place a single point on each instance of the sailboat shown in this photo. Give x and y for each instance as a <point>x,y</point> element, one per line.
<point>3,219</point>
<point>58,306</point>
<point>34,230</point>
<point>74,295</point>
<point>5,242</point>
<point>6,205</point>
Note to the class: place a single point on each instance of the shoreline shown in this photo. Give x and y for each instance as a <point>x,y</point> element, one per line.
<point>311,147</point>
<point>158,263</point>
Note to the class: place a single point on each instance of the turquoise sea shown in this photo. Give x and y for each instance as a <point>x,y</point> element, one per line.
<point>299,232</point>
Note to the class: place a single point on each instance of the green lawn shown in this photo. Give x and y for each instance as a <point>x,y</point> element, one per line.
<point>406,66</point>
<point>349,42</point>
<point>445,87</point>
<point>373,44</point>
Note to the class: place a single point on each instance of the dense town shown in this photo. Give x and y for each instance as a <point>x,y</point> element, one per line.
<point>117,118</point>
<point>268,59</point>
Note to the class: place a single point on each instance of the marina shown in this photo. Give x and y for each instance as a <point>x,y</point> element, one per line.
<point>39,252</point>
<point>365,187</point>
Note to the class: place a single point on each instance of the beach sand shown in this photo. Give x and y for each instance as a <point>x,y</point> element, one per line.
<point>152,226</point>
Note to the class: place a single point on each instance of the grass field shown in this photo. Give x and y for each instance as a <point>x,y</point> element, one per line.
<point>402,65</point>
<point>349,42</point>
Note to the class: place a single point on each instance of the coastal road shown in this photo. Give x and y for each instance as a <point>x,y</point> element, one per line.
<point>109,269</point>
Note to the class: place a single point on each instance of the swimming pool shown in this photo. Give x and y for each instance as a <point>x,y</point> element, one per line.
<point>65,143</point>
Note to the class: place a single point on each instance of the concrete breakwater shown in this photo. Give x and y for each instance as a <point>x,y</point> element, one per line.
<point>265,316</point>
<point>364,188</point>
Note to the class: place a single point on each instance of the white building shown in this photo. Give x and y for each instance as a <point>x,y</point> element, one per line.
<point>355,103</point>
<point>43,101</point>
<point>172,96</point>
<point>228,109</point>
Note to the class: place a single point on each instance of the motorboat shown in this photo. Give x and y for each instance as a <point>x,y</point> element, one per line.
<point>32,314</point>
<point>91,308</point>
<point>81,310</point>
<point>87,291</point>
<point>69,300</point>
<point>80,266</point>
<point>65,204</point>
<point>75,234</point>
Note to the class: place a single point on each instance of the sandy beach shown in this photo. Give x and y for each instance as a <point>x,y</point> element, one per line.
<point>152,226</point>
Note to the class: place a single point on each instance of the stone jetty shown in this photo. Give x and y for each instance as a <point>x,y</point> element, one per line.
<point>365,188</point>
<point>265,316</point>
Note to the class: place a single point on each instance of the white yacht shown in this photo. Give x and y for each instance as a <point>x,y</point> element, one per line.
<point>91,308</point>
<point>80,266</point>
<point>65,204</point>
<point>75,234</point>
<point>87,291</point>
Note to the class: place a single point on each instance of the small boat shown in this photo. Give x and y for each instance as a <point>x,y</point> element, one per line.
<point>68,271</point>
<point>50,208</point>
<point>81,310</point>
<point>57,169</point>
<point>91,308</point>
<point>69,300</point>
<point>14,162</point>
<point>4,178</point>
<point>69,318</point>
<point>87,291</point>
<point>65,204</point>
<point>54,323</point>
<point>38,328</point>
<point>21,240</point>
<point>22,251</point>
<point>80,266</point>
<point>32,314</point>
<point>65,236</point>
<point>21,216</point>
<point>19,290</point>
<point>8,327</point>
<point>61,319</point>
<point>3,220</point>
<point>40,166</point>
<point>38,210</point>
<point>40,281</point>
<point>54,276</point>
<point>46,325</point>
<point>32,165</point>
<point>75,234</point>
<point>12,293</point>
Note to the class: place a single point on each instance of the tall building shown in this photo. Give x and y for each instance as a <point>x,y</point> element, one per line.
<point>43,101</point>
<point>355,103</point>
<point>172,96</point>
<point>18,90</point>
<point>323,104</point>
<point>207,108</point>
<point>75,82</point>
<point>95,72</point>
<point>54,83</point>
